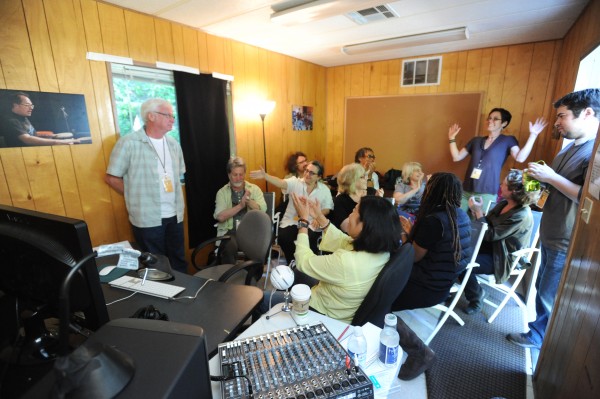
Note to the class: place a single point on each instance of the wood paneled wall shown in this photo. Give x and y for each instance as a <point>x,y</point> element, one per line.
<point>569,363</point>
<point>43,45</point>
<point>519,78</point>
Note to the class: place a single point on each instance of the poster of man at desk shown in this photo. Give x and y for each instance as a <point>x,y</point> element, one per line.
<point>32,118</point>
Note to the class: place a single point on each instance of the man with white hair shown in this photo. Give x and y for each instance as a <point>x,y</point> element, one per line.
<point>146,166</point>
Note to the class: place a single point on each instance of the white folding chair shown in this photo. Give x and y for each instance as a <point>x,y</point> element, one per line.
<point>270,200</point>
<point>478,230</point>
<point>516,274</point>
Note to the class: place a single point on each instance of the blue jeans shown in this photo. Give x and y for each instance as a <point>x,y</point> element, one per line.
<point>166,239</point>
<point>547,282</point>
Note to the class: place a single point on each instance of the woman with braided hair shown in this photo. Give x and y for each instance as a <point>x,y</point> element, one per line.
<point>441,237</point>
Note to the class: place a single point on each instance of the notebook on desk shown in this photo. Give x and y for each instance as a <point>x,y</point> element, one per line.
<point>161,290</point>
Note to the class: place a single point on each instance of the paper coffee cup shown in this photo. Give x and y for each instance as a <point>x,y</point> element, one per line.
<point>300,299</point>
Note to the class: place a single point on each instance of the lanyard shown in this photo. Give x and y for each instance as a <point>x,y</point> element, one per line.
<point>162,161</point>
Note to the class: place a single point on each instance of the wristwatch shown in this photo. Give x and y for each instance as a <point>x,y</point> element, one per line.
<point>302,224</point>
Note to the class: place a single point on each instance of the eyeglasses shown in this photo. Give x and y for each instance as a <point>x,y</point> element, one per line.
<point>301,162</point>
<point>370,156</point>
<point>163,114</point>
<point>27,105</point>
<point>494,119</point>
<point>310,172</point>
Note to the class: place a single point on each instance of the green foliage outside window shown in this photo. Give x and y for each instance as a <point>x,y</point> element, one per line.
<point>131,91</point>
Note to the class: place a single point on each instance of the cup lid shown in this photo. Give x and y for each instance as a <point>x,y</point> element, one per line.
<point>300,291</point>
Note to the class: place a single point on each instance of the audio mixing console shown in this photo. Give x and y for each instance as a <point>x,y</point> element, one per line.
<point>305,362</point>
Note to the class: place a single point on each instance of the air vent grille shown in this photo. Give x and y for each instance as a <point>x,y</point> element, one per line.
<point>372,14</point>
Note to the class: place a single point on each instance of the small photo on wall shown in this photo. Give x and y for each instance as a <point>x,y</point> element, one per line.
<point>302,117</point>
<point>34,118</point>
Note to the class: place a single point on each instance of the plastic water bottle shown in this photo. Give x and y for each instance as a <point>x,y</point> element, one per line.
<point>389,341</point>
<point>357,347</point>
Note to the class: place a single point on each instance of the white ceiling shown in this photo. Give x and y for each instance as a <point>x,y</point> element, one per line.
<point>490,23</point>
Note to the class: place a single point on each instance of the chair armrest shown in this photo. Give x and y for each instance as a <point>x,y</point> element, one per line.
<point>204,244</point>
<point>248,265</point>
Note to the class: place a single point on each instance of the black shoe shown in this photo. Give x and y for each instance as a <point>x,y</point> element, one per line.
<point>475,306</point>
<point>522,340</point>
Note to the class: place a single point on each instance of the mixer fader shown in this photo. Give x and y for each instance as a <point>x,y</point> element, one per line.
<point>305,362</point>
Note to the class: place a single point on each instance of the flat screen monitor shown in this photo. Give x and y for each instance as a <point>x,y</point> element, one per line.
<point>37,251</point>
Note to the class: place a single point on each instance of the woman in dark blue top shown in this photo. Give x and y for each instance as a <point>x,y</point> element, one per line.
<point>489,153</point>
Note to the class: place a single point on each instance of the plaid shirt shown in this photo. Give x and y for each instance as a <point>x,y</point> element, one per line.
<point>134,159</point>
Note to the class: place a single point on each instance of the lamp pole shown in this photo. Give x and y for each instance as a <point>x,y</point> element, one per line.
<point>262,117</point>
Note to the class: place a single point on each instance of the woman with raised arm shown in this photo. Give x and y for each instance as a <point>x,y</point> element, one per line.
<point>489,153</point>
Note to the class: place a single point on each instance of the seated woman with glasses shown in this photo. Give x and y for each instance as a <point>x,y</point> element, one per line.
<point>309,186</point>
<point>366,158</point>
<point>352,186</point>
<point>509,229</point>
<point>489,153</point>
<point>409,191</point>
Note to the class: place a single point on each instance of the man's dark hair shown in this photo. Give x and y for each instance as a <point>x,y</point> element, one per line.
<point>320,167</point>
<point>292,162</point>
<point>361,153</point>
<point>15,98</point>
<point>381,226</point>
<point>504,114</point>
<point>580,100</point>
<point>443,192</point>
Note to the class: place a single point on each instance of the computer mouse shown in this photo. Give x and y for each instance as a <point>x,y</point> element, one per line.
<point>106,270</point>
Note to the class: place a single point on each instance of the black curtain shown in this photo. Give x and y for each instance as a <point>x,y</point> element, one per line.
<point>204,133</point>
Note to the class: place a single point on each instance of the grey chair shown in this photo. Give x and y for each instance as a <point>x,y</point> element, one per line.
<point>253,237</point>
<point>270,200</point>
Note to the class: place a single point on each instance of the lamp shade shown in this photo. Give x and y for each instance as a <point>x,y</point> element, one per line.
<point>265,107</point>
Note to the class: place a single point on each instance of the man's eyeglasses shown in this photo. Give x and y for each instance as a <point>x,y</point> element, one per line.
<point>27,105</point>
<point>310,172</point>
<point>163,114</point>
<point>371,156</point>
<point>494,119</point>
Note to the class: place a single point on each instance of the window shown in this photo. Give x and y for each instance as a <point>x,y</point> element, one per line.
<point>421,72</point>
<point>132,85</point>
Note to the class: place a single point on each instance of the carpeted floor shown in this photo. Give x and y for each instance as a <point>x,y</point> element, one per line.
<point>476,361</point>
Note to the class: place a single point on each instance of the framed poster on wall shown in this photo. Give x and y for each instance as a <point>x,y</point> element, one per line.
<point>39,118</point>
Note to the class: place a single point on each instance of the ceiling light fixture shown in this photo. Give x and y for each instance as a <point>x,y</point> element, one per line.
<point>315,10</point>
<point>420,39</point>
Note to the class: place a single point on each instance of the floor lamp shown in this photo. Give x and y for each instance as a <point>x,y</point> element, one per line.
<point>264,108</point>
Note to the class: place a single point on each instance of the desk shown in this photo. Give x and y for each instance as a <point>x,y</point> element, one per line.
<point>410,389</point>
<point>220,308</point>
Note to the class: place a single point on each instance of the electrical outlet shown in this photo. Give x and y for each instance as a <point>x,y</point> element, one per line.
<point>586,209</point>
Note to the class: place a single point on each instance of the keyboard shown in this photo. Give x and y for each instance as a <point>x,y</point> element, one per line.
<point>161,290</point>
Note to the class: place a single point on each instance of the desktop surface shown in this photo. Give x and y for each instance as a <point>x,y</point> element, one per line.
<point>220,308</point>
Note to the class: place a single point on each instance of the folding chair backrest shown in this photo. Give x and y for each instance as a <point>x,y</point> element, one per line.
<point>386,288</point>
<point>478,230</point>
<point>254,235</point>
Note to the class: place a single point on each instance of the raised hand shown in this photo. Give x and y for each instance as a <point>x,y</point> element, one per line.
<point>302,206</point>
<point>537,127</point>
<point>453,131</point>
<point>258,174</point>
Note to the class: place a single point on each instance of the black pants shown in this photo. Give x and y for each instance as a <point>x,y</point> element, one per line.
<point>287,241</point>
<point>473,291</point>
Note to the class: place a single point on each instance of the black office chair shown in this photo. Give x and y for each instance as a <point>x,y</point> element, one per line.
<point>386,288</point>
<point>253,237</point>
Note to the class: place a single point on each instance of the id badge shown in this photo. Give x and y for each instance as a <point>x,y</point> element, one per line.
<point>476,174</point>
<point>543,197</point>
<point>167,184</point>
